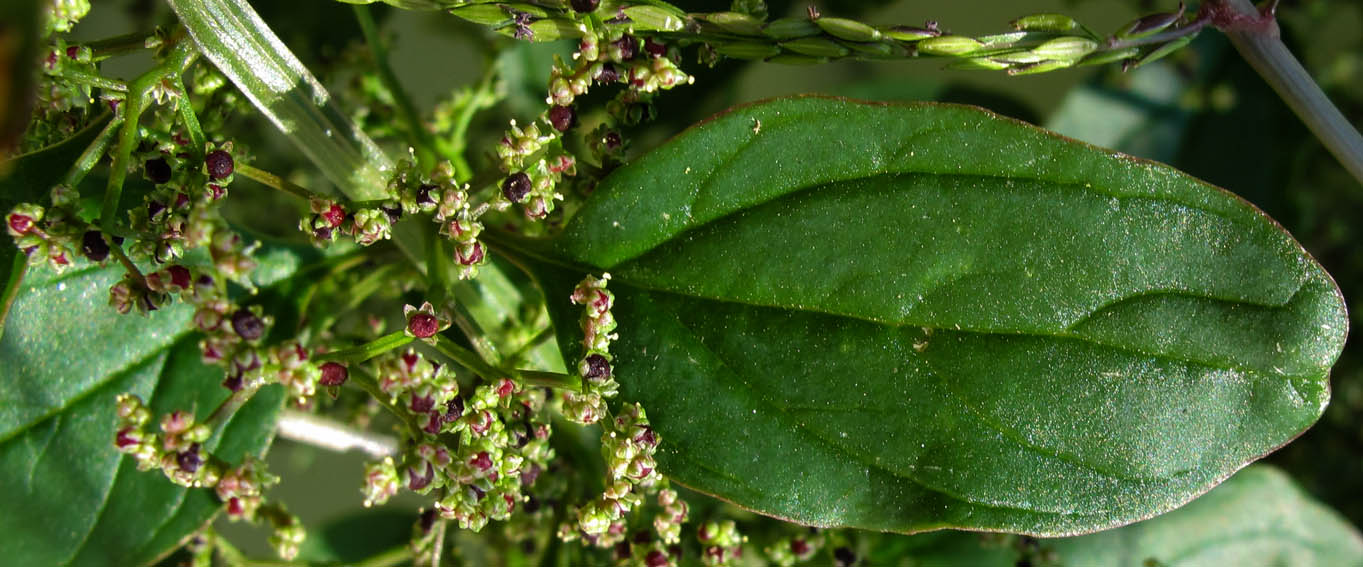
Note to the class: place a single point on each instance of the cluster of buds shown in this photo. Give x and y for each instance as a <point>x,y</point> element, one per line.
<point>24,225</point>
<point>790,551</point>
<point>720,543</point>
<point>627,445</point>
<point>178,215</point>
<point>598,381</point>
<point>503,442</point>
<point>425,388</point>
<point>62,15</point>
<point>179,452</point>
<point>63,99</point>
<point>366,225</point>
<point>286,531</point>
<point>533,156</point>
<point>672,513</point>
<point>289,364</point>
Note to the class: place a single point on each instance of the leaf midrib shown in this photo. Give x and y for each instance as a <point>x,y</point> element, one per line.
<point>1126,349</point>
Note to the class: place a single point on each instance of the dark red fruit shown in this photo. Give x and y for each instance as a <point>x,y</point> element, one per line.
<point>516,187</point>
<point>219,164</point>
<point>334,374</point>
<point>248,325</point>
<point>598,368</point>
<point>94,247</point>
<point>584,6</point>
<point>157,170</point>
<point>562,117</point>
<point>423,325</point>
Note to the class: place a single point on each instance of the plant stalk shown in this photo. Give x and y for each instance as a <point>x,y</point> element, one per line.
<point>331,435</point>
<point>1262,47</point>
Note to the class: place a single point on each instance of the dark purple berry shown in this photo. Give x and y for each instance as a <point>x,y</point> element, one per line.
<point>157,170</point>
<point>799,547</point>
<point>423,325</point>
<point>247,324</point>
<point>562,117</point>
<point>613,140</point>
<point>516,187</point>
<point>454,409</point>
<point>334,374</point>
<point>608,74</point>
<point>233,382</point>
<point>219,164</point>
<point>179,276</point>
<point>416,483</point>
<point>154,208</point>
<point>189,460</point>
<point>585,6</point>
<point>655,48</point>
<point>427,520</point>
<point>423,195</point>
<point>622,551</point>
<point>422,404</point>
<point>656,558</point>
<point>598,368</point>
<point>629,47</point>
<point>394,213</point>
<point>94,246</point>
<point>844,557</point>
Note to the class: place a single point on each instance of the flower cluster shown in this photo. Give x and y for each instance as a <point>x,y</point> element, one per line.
<point>790,551</point>
<point>533,156</point>
<point>179,452</point>
<point>598,380</point>
<point>720,542</point>
<point>502,441</point>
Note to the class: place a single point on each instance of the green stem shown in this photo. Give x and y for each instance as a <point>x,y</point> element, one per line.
<point>229,406</point>
<point>276,182</point>
<point>118,45</point>
<point>362,379</point>
<point>417,134</point>
<point>80,76</point>
<point>92,154</point>
<point>190,120</point>
<point>1262,47</point>
<point>470,360</point>
<point>138,94</point>
<point>11,291</point>
<point>371,349</point>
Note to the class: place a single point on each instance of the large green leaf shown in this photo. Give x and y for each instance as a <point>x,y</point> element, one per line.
<point>917,317</point>
<point>70,498</point>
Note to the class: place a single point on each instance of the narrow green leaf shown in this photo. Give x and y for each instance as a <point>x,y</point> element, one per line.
<point>913,317</point>
<point>71,499</point>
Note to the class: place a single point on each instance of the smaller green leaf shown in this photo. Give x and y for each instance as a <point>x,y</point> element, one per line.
<point>1257,518</point>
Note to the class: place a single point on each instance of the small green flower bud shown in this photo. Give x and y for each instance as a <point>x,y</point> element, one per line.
<point>1105,57</point>
<point>850,30</point>
<point>654,18</point>
<point>816,47</point>
<point>751,50</point>
<point>910,33</point>
<point>978,64</point>
<point>1159,52</point>
<point>949,45</point>
<point>1065,48</point>
<point>874,48</point>
<point>1038,68</point>
<point>1045,23</point>
<point>734,22</point>
<point>790,28</point>
<point>1150,25</point>
<point>483,14</point>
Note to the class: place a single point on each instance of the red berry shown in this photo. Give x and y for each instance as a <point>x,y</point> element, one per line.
<point>20,224</point>
<point>179,276</point>
<point>656,558</point>
<point>334,374</point>
<point>423,325</point>
<point>562,117</point>
<point>157,170</point>
<point>219,164</point>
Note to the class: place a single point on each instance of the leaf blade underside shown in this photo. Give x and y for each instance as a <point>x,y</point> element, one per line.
<point>917,317</point>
